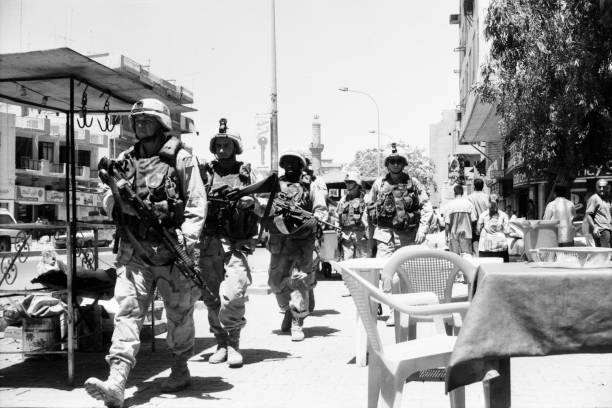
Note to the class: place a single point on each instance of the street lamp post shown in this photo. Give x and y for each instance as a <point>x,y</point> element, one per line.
<point>345,89</point>
<point>273,97</point>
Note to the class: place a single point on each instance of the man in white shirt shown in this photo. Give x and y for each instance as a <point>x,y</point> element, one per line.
<point>460,214</point>
<point>480,201</point>
<point>563,210</point>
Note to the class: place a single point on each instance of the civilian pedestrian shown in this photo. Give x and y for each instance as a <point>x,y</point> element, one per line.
<point>598,214</point>
<point>563,210</point>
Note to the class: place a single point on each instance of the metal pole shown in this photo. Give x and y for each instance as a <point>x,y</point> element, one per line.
<point>274,108</point>
<point>71,233</point>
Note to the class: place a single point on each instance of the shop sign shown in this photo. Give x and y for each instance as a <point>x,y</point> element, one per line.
<point>520,178</point>
<point>55,196</point>
<point>604,170</point>
<point>496,174</point>
<point>87,199</point>
<point>30,194</point>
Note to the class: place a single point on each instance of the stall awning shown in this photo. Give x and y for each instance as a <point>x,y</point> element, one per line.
<point>40,78</point>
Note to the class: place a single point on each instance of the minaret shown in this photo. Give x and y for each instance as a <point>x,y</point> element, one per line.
<point>316,147</point>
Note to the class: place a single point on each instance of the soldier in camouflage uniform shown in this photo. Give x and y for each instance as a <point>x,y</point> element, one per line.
<point>165,175</point>
<point>400,209</point>
<point>291,245</point>
<point>226,243</point>
<point>352,218</point>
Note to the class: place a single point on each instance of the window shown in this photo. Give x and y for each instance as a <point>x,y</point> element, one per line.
<point>45,151</point>
<point>23,148</point>
<point>6,219</point>
<point>83,158</point>
<point>63,154</point>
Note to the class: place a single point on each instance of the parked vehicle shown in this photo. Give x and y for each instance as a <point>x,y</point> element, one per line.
<point>85,239</point>
<point>7,236</point>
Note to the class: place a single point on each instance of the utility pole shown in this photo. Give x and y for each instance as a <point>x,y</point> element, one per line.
<point>274,109</point>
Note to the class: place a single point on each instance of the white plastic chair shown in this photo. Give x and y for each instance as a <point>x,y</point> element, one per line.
<point>425,270</point>
<point>390,366</point>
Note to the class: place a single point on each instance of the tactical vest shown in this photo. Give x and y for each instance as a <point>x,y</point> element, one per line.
<point>225,219</point>
<point>398,205</point>
<point>351,211</point>
<point>155,180</point>
<point>299,194</point>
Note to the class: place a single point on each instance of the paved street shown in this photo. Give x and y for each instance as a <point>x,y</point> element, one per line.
<point>318,372</point>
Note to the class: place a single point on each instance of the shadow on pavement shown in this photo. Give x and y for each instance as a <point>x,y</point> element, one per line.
<point>51,371</point>
<point>319,331</point>
<point>252,356</point>
<point>323,312</point>
<point>201,387</point>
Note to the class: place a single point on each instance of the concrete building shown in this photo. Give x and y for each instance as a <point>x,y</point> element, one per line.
<point>478,121</point>
<point>33,167</point>
<point>479,126</point>
<point>445,151</point>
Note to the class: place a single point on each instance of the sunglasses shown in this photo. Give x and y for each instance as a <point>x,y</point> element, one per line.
<point>395,161</point>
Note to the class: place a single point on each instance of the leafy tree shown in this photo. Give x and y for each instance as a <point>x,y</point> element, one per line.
<point>549,72</point>
<point>419,165</point>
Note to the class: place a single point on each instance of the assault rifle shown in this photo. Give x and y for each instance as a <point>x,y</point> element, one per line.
<point>122,188</point>
<point>288,208</point>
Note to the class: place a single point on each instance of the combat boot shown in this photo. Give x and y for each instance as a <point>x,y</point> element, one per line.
<point>286,323</point>
<point>297,334</point>
<point>179,377</point>
<point>112,390</point>
<point>234,358</point>
<point>220,355</point>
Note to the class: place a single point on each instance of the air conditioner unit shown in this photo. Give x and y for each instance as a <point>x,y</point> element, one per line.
<point>453,19</point>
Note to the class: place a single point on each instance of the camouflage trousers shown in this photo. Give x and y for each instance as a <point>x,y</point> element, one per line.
<point>290,275</point>
<point>133,293</point>
<point>227,273</point>
<point>355,244</point>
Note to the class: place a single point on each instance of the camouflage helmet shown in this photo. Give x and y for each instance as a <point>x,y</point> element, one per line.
<point>223,133</point>
<point>284,156</point>
<point>395,153</point>
<point>154,108</point>
<point>353,176</point>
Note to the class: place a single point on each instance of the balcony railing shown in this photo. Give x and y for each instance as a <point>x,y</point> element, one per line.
<point>57,168</point>
<point>29,164</point>
<point>25,122</point>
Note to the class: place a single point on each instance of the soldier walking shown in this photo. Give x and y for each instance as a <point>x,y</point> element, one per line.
<point>400,210</point>
<point>166,176</point>
<point>352,218</point>
<point>226,243</point>
<point>292,243</point>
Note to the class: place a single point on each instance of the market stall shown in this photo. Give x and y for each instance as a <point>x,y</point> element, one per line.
<point>69,83</point>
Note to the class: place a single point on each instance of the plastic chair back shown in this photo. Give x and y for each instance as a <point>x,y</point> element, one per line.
<point>427,270</point>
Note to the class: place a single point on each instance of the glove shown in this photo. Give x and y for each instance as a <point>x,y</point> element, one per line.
<point>420,237</point>
<point>245,202</point>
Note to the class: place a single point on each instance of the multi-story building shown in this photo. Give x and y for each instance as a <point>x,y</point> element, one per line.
<point>452,160</point>
<point>33,169</point>
<point>479,120</point>
<point>33,154</point>
<point>479,125</point>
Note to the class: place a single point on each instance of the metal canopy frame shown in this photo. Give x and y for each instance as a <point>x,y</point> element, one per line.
<point>49,80</point>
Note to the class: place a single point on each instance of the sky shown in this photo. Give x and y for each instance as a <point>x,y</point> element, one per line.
<point>398,51</point>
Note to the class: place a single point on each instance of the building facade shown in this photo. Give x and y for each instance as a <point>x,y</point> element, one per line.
<point>33,153</point>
